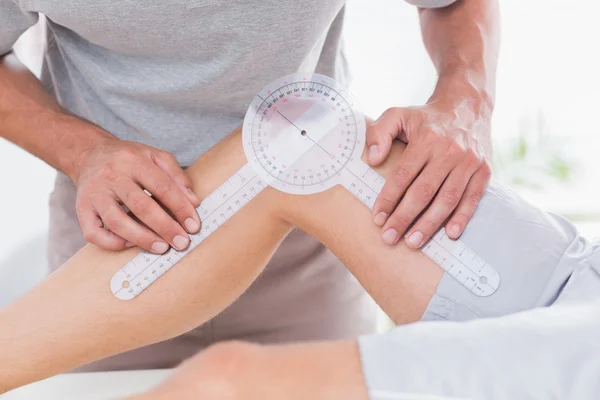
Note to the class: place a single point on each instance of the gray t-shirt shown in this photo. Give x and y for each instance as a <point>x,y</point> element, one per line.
<point>179,75</point>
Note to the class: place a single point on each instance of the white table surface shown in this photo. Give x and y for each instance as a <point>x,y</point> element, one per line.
<point>89,386</point>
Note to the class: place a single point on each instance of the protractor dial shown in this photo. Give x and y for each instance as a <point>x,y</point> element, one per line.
<point>301,131</point>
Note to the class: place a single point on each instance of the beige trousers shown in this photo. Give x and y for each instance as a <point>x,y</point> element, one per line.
<point>305,293</point>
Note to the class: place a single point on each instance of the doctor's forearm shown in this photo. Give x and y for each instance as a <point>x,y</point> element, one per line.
<point>463,42</point>
<point>34,121</point>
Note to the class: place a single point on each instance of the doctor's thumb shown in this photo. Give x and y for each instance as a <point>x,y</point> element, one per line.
<point>380,135</point>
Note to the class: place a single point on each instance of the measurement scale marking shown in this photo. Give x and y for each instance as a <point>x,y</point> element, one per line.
<point>439,248</point>
<point>139,266</point>
<point>282,156</point>
<point>483,285</point>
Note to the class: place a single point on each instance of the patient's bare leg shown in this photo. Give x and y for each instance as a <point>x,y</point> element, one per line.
<point>72,318</point>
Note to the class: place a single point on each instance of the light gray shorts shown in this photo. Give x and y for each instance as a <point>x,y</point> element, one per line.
<point>545,352</point>
<point>535,253</point>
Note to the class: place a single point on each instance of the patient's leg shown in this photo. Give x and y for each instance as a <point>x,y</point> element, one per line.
<point>540,258</point>
<point>72,318</point>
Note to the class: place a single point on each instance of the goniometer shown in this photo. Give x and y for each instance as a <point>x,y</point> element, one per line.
<point>302,134</point>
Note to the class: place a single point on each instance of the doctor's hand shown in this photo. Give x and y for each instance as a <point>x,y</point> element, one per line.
<point>115,172</point>
<point>443,173</point>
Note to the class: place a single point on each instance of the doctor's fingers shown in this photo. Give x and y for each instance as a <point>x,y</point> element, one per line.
<point>381,133</point>
<point>116,220</point>
<point>168,193</point>
<point>168,163</point>
<point>93,230</point>
<point>150,213</point>
<point>443,205</point>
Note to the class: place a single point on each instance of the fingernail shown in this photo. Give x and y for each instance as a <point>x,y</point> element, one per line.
<point>373,152</point>
<point>160,247</point>
<point>380,218</point>
<point>454,231</point>
<point>191,225</point>
<point>180,242</point>
<point>415,239</point>
<point>128,245</point>
<point>390,236</point>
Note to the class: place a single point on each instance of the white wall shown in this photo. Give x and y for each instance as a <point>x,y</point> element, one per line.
<point>549,64</point>
<point>25,183</point>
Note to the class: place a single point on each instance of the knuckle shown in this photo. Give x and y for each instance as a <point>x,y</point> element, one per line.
<point>373,132</point>
<point>472,200</point>
<point>389,112</point>
<point>180,208</point>
<point>166,228</point>
<point>425,191</point>
<point>90,236</point>
<point>455,149</point>
<point>387,203</point>
<point>112,220</point>
<point>486,170</point>
<point>107,172</point>
<point>144,239</point>
<point>128,154</point>
<point>429,136</point>
<point>461,218</point>
<point>138,203</point>
<point>401,176</point>
<point>399,221</point>
<point>161,189</point>
<point>451,196</point>
<point>156,154</point>
<point>169,156</point>
<point>427,226</point>
<point>163,156</point>
<point>168,232</point>
<point>472,157</point>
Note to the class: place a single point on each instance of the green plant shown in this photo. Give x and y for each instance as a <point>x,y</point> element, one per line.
<point>534,158</point>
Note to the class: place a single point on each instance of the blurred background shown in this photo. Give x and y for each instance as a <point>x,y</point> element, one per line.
<point>546,137</point>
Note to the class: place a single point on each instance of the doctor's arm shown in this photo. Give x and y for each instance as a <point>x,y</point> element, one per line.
<point>544,353</point>
<point>107,171</point>
<point>72,318</point>
<point>446,168</point>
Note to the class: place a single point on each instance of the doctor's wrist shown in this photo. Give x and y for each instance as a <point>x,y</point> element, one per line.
<point>459,84</point>
<point>83,138</point>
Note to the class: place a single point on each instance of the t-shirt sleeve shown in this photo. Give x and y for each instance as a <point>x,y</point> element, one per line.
<point>545,353</point>
<point>13,22</point>
<point>430,3</point>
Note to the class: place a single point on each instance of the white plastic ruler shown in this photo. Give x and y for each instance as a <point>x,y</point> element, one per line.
<point>302,134</point>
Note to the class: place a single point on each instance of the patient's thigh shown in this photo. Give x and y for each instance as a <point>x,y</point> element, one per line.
<point>524,244</point>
